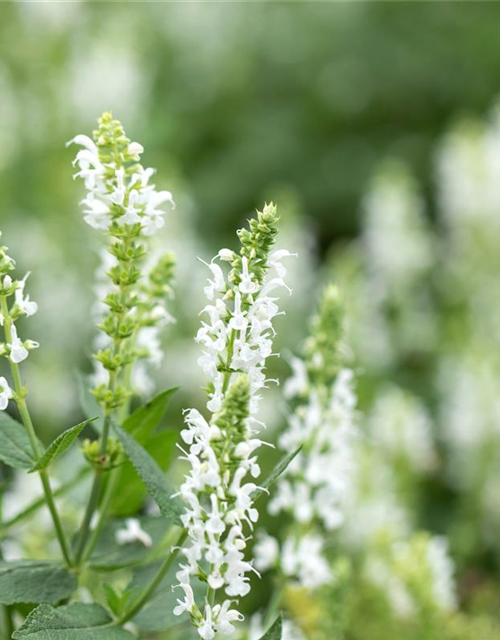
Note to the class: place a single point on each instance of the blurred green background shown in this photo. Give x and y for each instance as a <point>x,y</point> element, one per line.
<point>234,103</point>
<point>236,98</point>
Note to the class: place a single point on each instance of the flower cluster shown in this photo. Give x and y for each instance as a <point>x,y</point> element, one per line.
<point>121,201</point>
<point>15,349</point>
<point>401,427</point>
<point>416,575</point>
<point>314,487</point>
<point>237,340</point>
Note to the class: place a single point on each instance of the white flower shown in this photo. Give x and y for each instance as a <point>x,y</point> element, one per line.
<point>236,336</point>
<point>442,569</point>
<point>133,532</point>
<point>108,185</point>
<point>304,559</point>
<point>18,351</point>
<point>188,602</point>
<point>266,552</point>
<point>24,303</point>
<point>5,393</point>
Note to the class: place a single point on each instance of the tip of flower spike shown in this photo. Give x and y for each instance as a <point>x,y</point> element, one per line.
<point>106,117</point>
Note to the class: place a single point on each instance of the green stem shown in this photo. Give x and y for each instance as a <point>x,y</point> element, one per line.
<point>35,445</point>
<point>94,495</point>
<point>155,582</point>
<point>7,624</point>
<point>103,512</point>
<point>275,600</point>
<point>37,504</point>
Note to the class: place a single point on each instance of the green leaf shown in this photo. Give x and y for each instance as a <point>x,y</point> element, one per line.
<point>142,422</point>
<point>153,477</point>
<point>15,447</point>
<point>275,630</point>
<point>72,622</point>
<point>275,473</point>
<point>158,614</point>
<point>35,582</point>
<point>113,598</point>
<point>61,444</point>
<point>109,555</point>
<point>131,492</point>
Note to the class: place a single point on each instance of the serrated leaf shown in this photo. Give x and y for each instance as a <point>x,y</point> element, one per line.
<point>131,492</point>
<point>15,447</point>
<point>35,582</point>
<point>153,477</point>
<point>275,631</point>
<point>61,444</point>
<point>72,622</point>
<point>144,420</point>
<point>113,599</point>
<point>275,473</point>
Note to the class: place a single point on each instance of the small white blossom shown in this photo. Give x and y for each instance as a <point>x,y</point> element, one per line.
<point>18,351</point>
<point>5,393</point>
<point>236,335</point>
<point>23,302</point>
<point>133,532</point>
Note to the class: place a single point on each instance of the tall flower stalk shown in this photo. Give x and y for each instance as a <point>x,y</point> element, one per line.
<point>237,337</point>
<point>122,202</point>
<point>13,305</point>
<point>313,488</point>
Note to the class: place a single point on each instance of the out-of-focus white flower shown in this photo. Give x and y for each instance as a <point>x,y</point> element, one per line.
<point>304,560</point>
<point>266,552</point>
<point>442,569</point>
<point>415,573</point>
<point>394,218</point>
<point>401,426</point>
<point>133,532</point>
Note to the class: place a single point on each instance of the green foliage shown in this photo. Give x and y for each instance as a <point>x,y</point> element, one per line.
<point>158,614</point>
<point>275,473</point>
<point>143,424</point>
<point>61,444</point>
<point>15,447</point>
<point>151,474</point>
<point>275,631</point>
<point>72,622</point>
<point>324,346</point>
<point>144,420</point>
<point>35,581</point>
<point>110,556</point>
